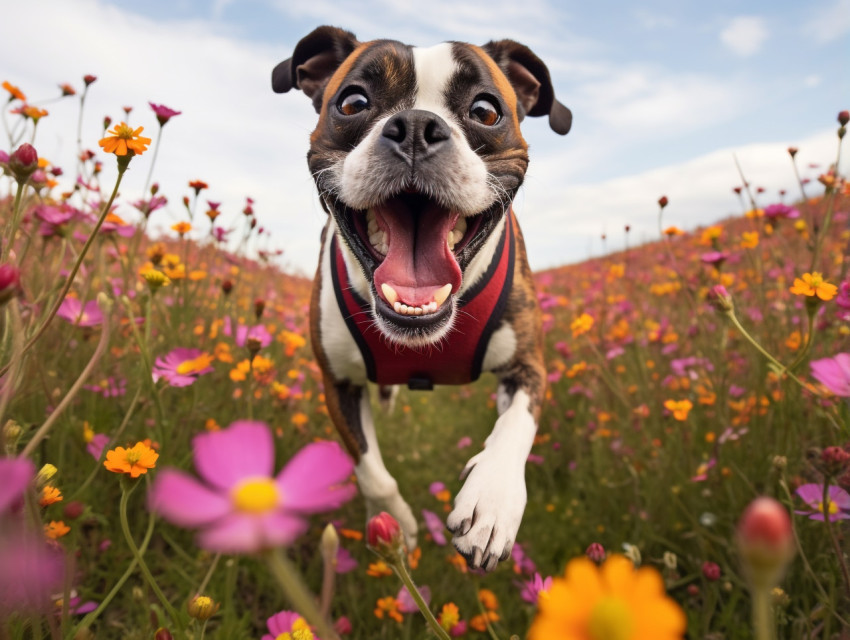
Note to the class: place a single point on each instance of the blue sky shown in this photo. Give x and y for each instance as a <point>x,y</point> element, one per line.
<point>663,93</point>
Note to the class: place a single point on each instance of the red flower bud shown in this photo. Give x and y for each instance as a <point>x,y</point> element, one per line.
<point>843,117</point>
<point>595,552</point>
<point>10,283</point>
<point>792,151</point>
<point>227,286</point>
<point>23,162</point>
<point>765,541</point>
<point>163,634</point>
<point>88,79</point>
<point>259,307</point>
<point>383,531</point>
<point>662,201</point>
<point>711,571</point>
<point>74,509</point>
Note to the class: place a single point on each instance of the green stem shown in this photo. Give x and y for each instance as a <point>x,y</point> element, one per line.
<point>209,575</point>
<point>75,388</point>
<point>125,528</point>
<point>762,615</point>
<point>91,617</point>
<point>828,218</point>
<point>16,220</point>
<point>294,588</point>
<point>839,554</point>
<point>400,568</point>
<point>122,167</point>
<point>153,162</point>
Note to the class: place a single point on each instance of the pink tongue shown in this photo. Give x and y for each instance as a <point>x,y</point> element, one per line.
<point>418,261</point>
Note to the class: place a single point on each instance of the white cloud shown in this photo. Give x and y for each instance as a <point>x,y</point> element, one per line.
<point>744,35</point>
<point>829,24</point>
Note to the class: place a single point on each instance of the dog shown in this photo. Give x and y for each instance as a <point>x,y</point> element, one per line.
<point>423,277</point>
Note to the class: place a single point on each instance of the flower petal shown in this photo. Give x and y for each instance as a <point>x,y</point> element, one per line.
<point>182,500</point>
<point>310,480</point>
<point>243,450</point>
<point>15,475</point>
<point>236,533</point>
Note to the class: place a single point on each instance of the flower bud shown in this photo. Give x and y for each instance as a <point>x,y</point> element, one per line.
<point>711,571</point>
<point>259,307</point>
<point>662,201</point>
<point>719,298</point>
<point>10,283</point>
<point>383,533</point>
<point>792,151</point>
<point>329,545</point>
<point>843,117</point>
<point>74,509</point>
<point>163,634</point>
<point>595,552</point>
<point>765,541</point>
<point>23,162</point>
<point>45,474</point>
<point>203,607</point>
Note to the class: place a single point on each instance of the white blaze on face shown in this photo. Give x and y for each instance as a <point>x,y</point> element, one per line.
<point>463,175</point>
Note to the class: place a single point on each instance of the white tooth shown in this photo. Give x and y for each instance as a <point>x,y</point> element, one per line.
<point>383,248</point>
<point>432,307</point>
<point>404,308</point>
<point>460,225</point>
<point>417,311</point>
<point>397,306</point>
<point>389,293</point>
<point>375,238</point>
<point>442,293</point>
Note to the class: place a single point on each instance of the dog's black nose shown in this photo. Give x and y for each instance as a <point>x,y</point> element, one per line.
<point>415,134</point>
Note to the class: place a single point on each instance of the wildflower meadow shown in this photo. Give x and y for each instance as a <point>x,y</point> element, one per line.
<point>168,468</point>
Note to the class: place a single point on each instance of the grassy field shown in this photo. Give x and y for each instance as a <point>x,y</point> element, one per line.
<point>667,414</point>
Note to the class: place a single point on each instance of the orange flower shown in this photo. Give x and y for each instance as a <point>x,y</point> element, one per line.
<point>449,616</point>
<point>479,622</point>
<point>813,284</point>
<point>379,569</point>
<point>182,228</point>
<point>34,112</point>
<point>135,461</point>
<point>750,239</point>
<point>14,92</point>
<point>488,599</point>
<point>388,606</point>
<point>49,495</point>
<point>679,408</point>
<point>581,325</point>
<point>123,139</point>
<point>55,530</point>
<point>673,231</point>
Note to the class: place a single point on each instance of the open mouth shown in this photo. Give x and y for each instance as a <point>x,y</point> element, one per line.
<point>416,250</point>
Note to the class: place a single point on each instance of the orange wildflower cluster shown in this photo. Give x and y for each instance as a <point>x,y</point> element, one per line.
<point>814,284</point>
<point>134,461</point>
<point>389,607</point>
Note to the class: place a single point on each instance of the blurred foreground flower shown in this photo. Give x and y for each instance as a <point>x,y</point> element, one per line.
<point>833,373</point>
<point>124,139</point>
<point>765,541</point>
<point>288,625</point>
<point>182,366</point>
<point>82,315</point>
<point>239,506</point>
<point>613,601</point>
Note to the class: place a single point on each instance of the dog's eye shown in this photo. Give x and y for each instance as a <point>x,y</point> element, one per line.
<point>486,111</point>
<point>352,104</point>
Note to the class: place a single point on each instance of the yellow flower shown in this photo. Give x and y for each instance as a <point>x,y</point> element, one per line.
<point>124,139</point>
<point>749,239</point>
<point>813,284</point>
<point>155,279</point>
<point>449,616</point>
<point>673,231</point>
<point>612,602</point>
<point>679,408</point>
<point>581,325</point>
<point>135,461</point>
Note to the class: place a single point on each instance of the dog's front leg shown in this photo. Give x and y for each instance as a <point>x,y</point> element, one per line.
<point>351,412</point>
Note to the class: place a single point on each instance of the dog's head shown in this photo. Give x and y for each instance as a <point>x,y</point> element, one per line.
<point>417,155</point>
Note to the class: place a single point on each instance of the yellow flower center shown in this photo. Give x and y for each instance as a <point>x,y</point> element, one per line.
<point>195,365</point>
<point>133,456</point>
<point>610,620</point>
<point>300,631</point>
<point>123,131</point>
<point>831,508</point>
<point>256,496</point>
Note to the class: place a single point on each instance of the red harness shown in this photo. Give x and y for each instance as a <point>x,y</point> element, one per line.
<point>459,356</point>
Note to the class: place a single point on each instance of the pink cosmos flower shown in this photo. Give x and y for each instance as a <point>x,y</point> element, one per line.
<point>97,444</point>
<point>464,442</point>
<point>257,332</point>
<point>15,475</point>
<point>776,211</point>
<point>531,589</point>
<point>435,527</point>
<point>181,367</point>
<point>345,562</point>
<point>406,603</point>
<point>82,315</point>
<point>163,113</point>
<point>838,500</point>
<point>436,487</point>
<point>284,622</point>
<point>237,505</point>
<point>834,373</point>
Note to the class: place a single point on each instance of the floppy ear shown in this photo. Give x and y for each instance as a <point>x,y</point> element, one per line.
<point>313,62</point>
<point>531,81</point>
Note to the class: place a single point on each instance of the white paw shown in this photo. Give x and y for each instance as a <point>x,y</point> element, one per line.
<point>400,510</point>
<point>488,509</point>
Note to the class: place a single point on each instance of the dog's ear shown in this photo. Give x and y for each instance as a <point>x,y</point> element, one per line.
<point>313,62</point>
<point>531,81</point>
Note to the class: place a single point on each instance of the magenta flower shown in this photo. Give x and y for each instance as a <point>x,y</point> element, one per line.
<point>238,506</point>
<point>181,367</point>
<point>838,502</point>
<point>31,571</point>
<point>531,589</point>
<point>345,562</point>
<point>257,332</point>
<point>15,475</point>
<point>97,444</point>
<point>406,603</point>
<point>435,527</point>
<point>163,113</point>
<point>834,373</point>
<point>436,487</point>
<point>775,211</point>
<point>284,623</point>
<point>82,315</point>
